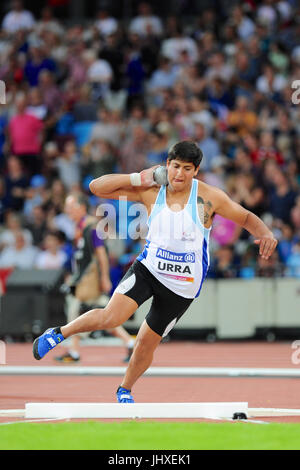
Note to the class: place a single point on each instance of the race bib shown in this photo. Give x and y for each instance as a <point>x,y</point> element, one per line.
<point>180,266</point>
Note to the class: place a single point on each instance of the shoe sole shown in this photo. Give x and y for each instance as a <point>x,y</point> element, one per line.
<point>35,350</point>
<point>66,361</point>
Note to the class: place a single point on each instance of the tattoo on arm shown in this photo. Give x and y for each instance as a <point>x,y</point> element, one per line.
<point>205,209</point>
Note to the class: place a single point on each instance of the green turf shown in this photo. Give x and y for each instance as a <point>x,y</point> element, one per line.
<point>137,435</point>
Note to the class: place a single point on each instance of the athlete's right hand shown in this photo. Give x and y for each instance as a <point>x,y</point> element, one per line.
<point>147,177</point>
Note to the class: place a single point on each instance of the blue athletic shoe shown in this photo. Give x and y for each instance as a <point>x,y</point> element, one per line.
<point>124,395</point>
<point>47,341</point>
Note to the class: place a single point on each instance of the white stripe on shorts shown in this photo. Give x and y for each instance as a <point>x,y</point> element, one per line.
<point>169,327</point>
<point>126,285</point>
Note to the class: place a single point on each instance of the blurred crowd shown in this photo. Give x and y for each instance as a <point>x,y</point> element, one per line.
<point>112,96</point>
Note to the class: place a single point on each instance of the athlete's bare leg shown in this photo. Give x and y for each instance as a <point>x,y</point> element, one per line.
<point>121,333</point>
<point>115,313</point>
<point>146,343</point>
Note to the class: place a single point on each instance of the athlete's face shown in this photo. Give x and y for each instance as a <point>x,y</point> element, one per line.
<point>180,173</point>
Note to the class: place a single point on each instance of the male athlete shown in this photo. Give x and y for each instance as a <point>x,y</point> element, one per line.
<point>175,259</point>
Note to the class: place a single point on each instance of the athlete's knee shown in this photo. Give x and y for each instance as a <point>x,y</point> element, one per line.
<point>109,319</point>
<point>145,346</point>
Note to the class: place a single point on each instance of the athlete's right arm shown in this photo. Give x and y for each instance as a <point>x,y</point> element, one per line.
<point>115,185</point>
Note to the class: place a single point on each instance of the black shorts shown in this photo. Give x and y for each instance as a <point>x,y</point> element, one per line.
<point>166,308</point>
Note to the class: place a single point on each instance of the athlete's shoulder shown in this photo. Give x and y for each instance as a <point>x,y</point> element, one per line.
<point>212,197</point>
<point>213,191</point>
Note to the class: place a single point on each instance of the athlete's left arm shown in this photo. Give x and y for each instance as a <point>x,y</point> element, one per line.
<point>229,209</point>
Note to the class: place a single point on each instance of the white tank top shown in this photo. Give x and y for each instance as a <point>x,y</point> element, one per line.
<point>176,249</point>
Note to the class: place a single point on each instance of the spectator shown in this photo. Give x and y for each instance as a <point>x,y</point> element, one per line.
<point>52,255</point>
<point>37,225</point>
<point>25,134</point>
<point>4,118</point>
<point>146,23</point>
<point>13,225</point>
<point>266,150</point>
<point>208,46</point>
<point>282,197</point>
<point>36,195</point>
<point>248,263</point>
<point>270,83</point>
<point>37,62</point>
<point>245,73</point>
<point>192,79</point>
<point>57,195</point>
<point>220,99</point>
<point>4,201</point>
<point>257,56</point>
<point>52,96</point>
<point>105,128</point>
<point>279,58</point>
<point>242,162</point>
<point>99,158</point>
<point>84,109</point>
<point>286,242</point>
<point>76,63</point>
<point>99,74</point>
<point>133,154</point>
<point>244,25</point>
<point>68,166</point>
<point>199,112</point>
<point>173,47</point>
<point>18,18</point>
<point>216,176</point>
<point>219,68</point>
<point>269,267</point>
<point>36,106</point>
<point>158,152</point>
<point>271,13</point>
<point>50,152</point>
<point>293,262</point>
<point>164,76</point>
<point>295,214</point>
<point>19,255</point>
<point>183,120</point>
<point>224,266</point>
<point>113,52</point>
<point>137,116</point>
<point>250,194</point>
<point>105,23</point>
<point>242,118</point>
<point>285,133</point>
<point>135,75</point>
<point>57,220</point>
<point>209,146</point>
<point>16,183</point>
<point>48,23</point>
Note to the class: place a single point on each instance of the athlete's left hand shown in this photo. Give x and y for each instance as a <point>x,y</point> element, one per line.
<point>267,245</point>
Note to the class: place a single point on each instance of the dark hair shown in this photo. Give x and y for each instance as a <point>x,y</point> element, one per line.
<point>59,235</point>
<point>186,151</point>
